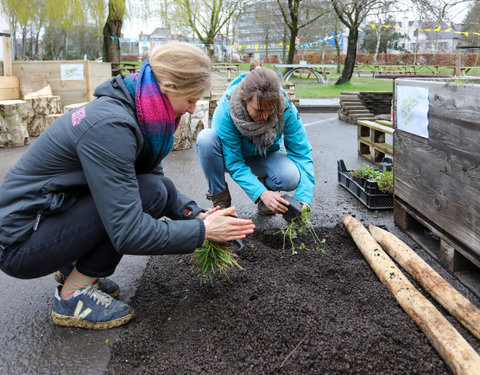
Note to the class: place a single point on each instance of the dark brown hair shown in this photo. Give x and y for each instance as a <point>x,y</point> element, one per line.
<point>266,85</point>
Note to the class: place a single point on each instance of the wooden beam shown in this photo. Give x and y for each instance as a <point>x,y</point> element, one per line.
<point>457,353</point>
<point>7,54</point>
<point>455,303</point>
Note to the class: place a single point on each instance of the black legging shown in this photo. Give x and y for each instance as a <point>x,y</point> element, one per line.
<point>78,235</point>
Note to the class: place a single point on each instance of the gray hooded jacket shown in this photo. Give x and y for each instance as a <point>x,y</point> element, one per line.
<point>94,149</point>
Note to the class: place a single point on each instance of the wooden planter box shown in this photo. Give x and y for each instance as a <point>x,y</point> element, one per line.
<point>437,176</point>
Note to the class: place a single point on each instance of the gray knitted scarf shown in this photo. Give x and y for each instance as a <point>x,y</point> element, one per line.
<point>262,135</point>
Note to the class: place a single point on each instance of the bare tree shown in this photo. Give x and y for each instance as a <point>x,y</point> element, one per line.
<point>381,14</point>
<point>293,15</point>
<point>351,13</point>
<point>207,18</point>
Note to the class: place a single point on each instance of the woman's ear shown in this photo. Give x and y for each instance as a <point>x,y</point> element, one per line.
<point>167,87</point>
<point>243,95</point>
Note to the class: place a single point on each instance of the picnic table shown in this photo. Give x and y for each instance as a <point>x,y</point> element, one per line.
<point>226,68</point>
<point>321,72</point>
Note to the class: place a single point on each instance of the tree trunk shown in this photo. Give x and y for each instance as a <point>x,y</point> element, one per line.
<point>377,47</point>
<point>291,51</point>
<point>112,31</point>
<point>350,58</point>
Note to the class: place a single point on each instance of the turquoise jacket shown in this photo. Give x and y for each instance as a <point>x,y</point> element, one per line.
<point>237,147</point>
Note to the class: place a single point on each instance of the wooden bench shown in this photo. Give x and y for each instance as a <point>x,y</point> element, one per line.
<point>371,140</point>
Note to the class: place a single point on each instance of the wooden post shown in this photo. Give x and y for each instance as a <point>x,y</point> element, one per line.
<point>7,53</point>
<point>457,353</point>
<point>87,76</point>
<point>458,63</point>
<point>455,303</point>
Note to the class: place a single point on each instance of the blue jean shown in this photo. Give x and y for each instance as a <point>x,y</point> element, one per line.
<point>279,171</point>
<point>78,235</point>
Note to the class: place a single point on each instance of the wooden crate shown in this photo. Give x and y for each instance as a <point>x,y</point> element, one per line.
<point>70,91</point>
<point>438,177</point>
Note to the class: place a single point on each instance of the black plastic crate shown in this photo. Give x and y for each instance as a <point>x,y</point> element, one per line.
<point>366,191</point>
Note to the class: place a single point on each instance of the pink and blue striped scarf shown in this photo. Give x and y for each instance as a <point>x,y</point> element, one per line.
<point>155,117</point>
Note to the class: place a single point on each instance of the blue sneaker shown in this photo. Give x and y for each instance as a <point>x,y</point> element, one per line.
<point>90,308</point>
<point>104,284</point>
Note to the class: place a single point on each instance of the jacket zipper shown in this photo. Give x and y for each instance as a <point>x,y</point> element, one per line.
<point>37,220</point>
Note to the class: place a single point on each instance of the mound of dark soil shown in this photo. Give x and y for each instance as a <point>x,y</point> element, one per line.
<point>308,313</point>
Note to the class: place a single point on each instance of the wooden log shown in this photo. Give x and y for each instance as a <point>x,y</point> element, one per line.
<point>455,303</point>
<point>13,124</point>
<point>38,109</point>
<point>190,126</point>
<point>459,356</point>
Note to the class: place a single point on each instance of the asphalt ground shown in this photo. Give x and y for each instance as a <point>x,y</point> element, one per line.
<point>31,344</point>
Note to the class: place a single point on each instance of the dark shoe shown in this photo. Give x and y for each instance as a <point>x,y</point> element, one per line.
<point>106,285</point>
<point>264,210</point>
<point>221,199</point>
<point>90,308</point>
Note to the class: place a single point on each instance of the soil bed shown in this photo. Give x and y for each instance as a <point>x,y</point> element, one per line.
<point>308,313</point>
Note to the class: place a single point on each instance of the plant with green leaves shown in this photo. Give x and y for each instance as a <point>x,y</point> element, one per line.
<point>300,225</point>
<point>213,257</point>
<point>383,178</point>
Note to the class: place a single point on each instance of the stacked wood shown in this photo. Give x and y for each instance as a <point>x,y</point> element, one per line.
<point>13,123</point>
<point>289,87</point>
<point>191,125</point>
<point>352,108</point>
<point>377,102</point>
<point>38,109</point>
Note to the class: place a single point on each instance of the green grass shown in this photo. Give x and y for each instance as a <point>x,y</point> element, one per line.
<point>311,90</point>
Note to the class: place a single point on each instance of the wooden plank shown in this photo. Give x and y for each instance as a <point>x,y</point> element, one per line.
<point>9,82</point>
<point>376,126</point>
<point>442,186</point>
<point>10,94</point>
<point>385,123</point>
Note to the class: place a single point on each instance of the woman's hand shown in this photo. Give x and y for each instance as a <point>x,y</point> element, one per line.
<point>274,201</point>
<point>221,227</point>
<point>203,215</point>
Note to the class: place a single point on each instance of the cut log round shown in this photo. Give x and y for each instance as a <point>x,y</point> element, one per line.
<point>38,109</point>
<point>455,303</point>
<point>190,126</point>
<point>13,123</point>
<point>459,356</point>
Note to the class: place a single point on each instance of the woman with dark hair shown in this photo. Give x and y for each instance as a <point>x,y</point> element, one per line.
<point>91,189</point>
<point>251,123</point>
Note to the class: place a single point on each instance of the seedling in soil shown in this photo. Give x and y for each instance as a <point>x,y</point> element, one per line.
<point>302,224</point>
<point>213,257</point>
<point>383,177</point>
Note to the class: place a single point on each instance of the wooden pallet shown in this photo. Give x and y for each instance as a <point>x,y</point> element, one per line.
<point>371,139</point>
<point>450,253</point>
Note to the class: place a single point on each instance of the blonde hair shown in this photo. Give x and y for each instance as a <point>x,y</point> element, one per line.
<point>183,66</point>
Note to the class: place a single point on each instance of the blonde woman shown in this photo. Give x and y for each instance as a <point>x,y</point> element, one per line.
<point>91,189</point>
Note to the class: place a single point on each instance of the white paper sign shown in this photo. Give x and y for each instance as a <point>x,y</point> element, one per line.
<point>412,109</point>
<point>71,72</point>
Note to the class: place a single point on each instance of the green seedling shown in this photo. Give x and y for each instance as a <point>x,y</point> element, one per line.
<point>383,178</point>
<point>300,225</point>
<point>213,257</point>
